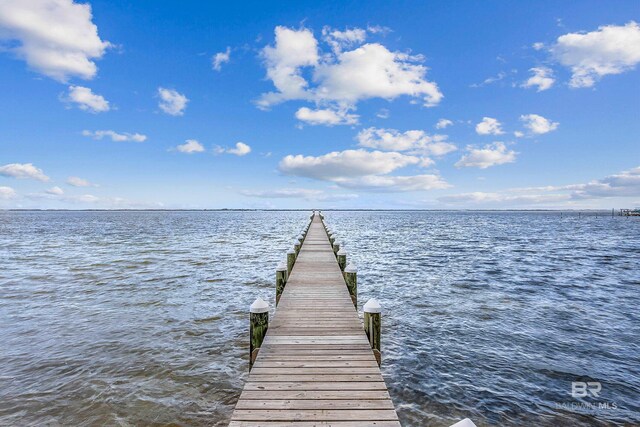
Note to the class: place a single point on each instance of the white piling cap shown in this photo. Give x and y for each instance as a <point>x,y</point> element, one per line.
<point>372,306</point>
<point>291,251</point>
<point>351,268</point>
<point>464,423</point>
<point>259,306</point>
<point>336,243</point>
<point>282,266</point>
<point>342,252</point>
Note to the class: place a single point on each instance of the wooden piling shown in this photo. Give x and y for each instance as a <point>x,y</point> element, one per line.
<point>351,278</point>
<point>291,260</point>
<point>258,325</point>
<point>342,259</point>
<point>336,247</point>
<point>372,326</point>
<point>281,280</point>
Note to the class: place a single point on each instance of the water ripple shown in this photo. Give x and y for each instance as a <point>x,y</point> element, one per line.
<point>140,318</point>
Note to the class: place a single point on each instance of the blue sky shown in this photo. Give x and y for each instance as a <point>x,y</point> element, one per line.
<point>151,104</point>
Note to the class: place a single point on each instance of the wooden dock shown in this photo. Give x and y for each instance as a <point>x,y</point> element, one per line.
<point>315,365</point>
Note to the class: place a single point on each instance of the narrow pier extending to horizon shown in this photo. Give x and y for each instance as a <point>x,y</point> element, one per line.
<point>315,365</point>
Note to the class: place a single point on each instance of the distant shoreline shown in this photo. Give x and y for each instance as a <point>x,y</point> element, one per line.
<point>309,210</point>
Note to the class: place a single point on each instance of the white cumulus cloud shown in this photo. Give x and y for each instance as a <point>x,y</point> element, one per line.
<point>489,126</point>
<point>373,71</point>
<point>220,58</point>
<point>542,79</point>
<point>339,79</point>
<point>55,37</point>
<point>611,49</point>
<point>190,146</point>
<point>443,123</point>
<point>284,193</point>
<point>293,49</point>
<point>327,117</point>
<point>299,193</point>
<point>115,136</point>
<point>172,102</point>
<point>625,184</point>
<point>23,171</point>
<point>414,141</point>
<point>537,124</point>
<point>387,183</point>
<point>490,155</point>
<point>362,170</point>
<point>79,182</point>
<point>7,193</point>
<point>240,149</point>
<point>86,100</point>
<point>338,165</point>
<point>55,191</point>
<point>338,40</point>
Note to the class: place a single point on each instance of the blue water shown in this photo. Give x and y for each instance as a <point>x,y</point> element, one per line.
<point>140,318</point>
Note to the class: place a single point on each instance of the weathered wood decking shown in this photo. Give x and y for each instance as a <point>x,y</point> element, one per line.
<point>315,366</point>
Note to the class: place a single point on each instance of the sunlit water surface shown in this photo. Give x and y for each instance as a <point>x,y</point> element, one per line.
<point>140,318</point>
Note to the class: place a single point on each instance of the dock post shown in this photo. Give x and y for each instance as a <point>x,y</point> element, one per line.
<point>332,238</point>
<point>258,325</point>
<point>296,246</point>
<point>351,278</point>
<point>336,247</point>
<point>291,259</point>
<point>342,259</point>
<point>372,326</point>
<point>281,280</point>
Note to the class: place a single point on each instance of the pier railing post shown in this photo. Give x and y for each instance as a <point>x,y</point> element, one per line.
<point>350,277</point>
<point>296,246</point>
<point>342,259</point>
<point>336,247</point>
<point>372,326</point>
<point>291,259</point>
<point>281,280</point>
<point>258,325</point>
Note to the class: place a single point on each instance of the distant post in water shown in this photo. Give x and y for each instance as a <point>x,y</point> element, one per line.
<point>342,259</point>
<point>350,277</point>
<point>281,280</point>
<point>372,326</point>
<point>291,259</point>
<point>258,325</point>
